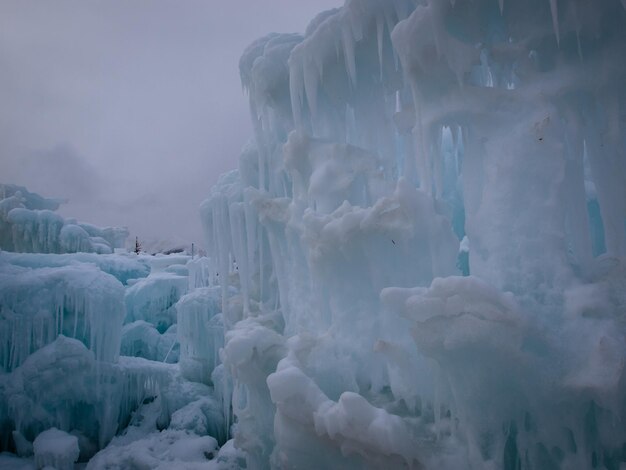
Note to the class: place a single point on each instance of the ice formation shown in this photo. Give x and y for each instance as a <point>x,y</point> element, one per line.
<point>38,305</point>
<point>28,224</point>
<point>427,236</point>
<point>201,332</point>
<point>419,263</point>
<point>153,298</point>
<point>89,350</point>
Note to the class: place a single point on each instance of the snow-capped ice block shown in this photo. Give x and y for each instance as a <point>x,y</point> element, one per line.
<point>152,299</point>
<point>56,449</point>
<point>78,301</point>
<point>141,339</point>
<point>200,333</point>
<point>121,266</point>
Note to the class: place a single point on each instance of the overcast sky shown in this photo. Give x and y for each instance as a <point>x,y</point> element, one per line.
<point>130,109</point>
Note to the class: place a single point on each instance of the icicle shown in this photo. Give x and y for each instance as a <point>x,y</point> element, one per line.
<point>295,90</point>
<point>310,86</point>
<point>239,245</point>
<point>577,22</point>
<point>454,132</point>
<point>380,28</point>
<point>170,350</point>
<point>251,234</point>
<point>261,266</point>
<point>555,20</point>
<point>437,160</point>
<point>348,54</point>
<point>421,149</point>
<point>624,4</point>
<point>501,3</point>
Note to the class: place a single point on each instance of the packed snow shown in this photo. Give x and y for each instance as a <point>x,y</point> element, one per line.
<point>420,263</point>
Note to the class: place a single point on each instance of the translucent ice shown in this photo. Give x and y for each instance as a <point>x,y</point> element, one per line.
<point>142,339</point>
<point>152,299</point>
<point>200,333</point>
<point>77,300</point>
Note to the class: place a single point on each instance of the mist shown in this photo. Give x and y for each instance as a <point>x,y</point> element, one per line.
<point>130,110</point>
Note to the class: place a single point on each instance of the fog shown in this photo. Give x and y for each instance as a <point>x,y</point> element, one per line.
<point>130,110</point>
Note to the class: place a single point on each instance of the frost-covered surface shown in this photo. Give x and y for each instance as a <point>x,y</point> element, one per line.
<point>428,238</point>
<point>29,224</point>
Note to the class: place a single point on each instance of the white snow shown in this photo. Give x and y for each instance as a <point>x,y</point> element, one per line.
<point>56,449</point>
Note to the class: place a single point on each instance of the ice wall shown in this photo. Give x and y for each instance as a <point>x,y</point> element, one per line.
<point>153,298</point>
<point>79,367</point>
<point>400,146</point>
<point>28,224</point>
<point>201,333</point>
<point>37,305</point>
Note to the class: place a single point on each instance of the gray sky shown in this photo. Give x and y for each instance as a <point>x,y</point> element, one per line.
<point>130,109</point>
